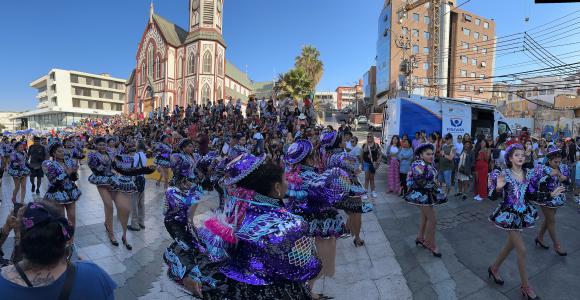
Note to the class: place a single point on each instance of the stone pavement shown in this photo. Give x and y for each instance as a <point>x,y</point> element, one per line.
<point>370,272</point>
<point>469,244</point>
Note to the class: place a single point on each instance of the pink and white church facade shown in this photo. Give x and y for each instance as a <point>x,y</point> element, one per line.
<point>179,67</point>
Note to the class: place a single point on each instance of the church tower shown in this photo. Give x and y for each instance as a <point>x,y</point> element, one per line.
<point>205,14</point>
<point>206,45</point>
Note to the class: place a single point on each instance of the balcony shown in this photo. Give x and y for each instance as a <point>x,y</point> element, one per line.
<point>41,95</point>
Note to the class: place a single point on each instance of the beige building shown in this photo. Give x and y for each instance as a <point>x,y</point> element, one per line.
<point>6,123</point>
<point>65,97</point>
<point>465,56</point>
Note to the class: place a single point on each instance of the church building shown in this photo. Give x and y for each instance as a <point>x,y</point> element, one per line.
<point>175,66</point>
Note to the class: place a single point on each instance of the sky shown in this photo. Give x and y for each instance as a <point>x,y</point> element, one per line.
<point>263,36</point>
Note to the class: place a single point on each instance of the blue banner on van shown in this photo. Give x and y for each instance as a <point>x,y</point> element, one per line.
<point>415,117</point>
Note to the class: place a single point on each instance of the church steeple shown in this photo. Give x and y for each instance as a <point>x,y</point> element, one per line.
<point>151,12</point>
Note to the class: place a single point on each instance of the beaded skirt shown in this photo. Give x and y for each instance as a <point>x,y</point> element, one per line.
<point>425,197</point>
<point>514,217</point>
<point>20,172</point>
<point>101,179</point>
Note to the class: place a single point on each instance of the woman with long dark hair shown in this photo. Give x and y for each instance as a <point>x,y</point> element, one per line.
<point>513,214</point>
<point>425,193</point>
<point>62,189</point>
<point>548,180</point>
<point>18,170</point>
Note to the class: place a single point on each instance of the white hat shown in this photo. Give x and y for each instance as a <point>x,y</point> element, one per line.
<point>302,116</point>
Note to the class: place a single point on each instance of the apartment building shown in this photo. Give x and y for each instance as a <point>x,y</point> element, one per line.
<point>465,58</point>
<point>64,97</point>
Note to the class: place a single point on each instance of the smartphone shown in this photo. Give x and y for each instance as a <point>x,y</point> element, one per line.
<point>17,206</point>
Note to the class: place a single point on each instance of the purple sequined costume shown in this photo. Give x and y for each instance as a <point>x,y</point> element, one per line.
<point>316,207</point>
<point>101,164</point>
<point>542,184</point>
<point>184,165</point>
<point>349,163</point>
<point>126,182</point>
<point>423,189</point>
<point>162,155</point>
<point>515,212</point>
<point>17,166</point>
<point>62,188</point>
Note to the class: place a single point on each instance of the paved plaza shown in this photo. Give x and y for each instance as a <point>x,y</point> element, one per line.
<point>390,266</point>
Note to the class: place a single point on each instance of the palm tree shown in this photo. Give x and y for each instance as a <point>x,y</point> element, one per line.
<point>295,84</point>
<point>309,61</point>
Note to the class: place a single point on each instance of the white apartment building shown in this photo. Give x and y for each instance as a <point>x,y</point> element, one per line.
<point>544,88</point>
<point>65,97</point>
<point>326,98</point>
<point>6,122</point>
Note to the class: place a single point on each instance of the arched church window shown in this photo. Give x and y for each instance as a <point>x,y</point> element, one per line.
<point>206,93</point>
<point>150,59</point>
<point>207,62</point>
<point>220,65</point>
<point>191,63</point>
<point>191,95</point>
<point>179,68</point>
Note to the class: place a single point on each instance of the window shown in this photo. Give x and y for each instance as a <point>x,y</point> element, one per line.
<point>179,96</point>
<point>465,45</point>
<point>415,49</point>
<point>484,50</point>
<point>105,95</point>
<point>477,22</point>
<point>425,81</point>
<point>426,50</point>
<point>510,96</point>
<point>208,12</point>
<point>190,95</point>
<point>480,90</point>
<point>99,105</point>
<point>462,87</point>
<point>474,48</point>
<point>191,63</point>
<point>76,102</point>
<point>206,93</point>
<point>426,35</point>
<point>207,62</point>
<point>467,17</point>
<point>157,68</point>
<point>485,25</point>
<point>386,32</point>
<point>464,59</point>
<point>484,38</point>
<point>426,19</point>
<point>472,74</point>
<point>425,66</point>
<point>416,17</point>
<point>150,61</point>
<point>476,35</point>
<point>543,92</point>
<point>550,92</point>
<point>481,76</point>
<point>463,73</point>
<point>415,32</point>
<point>220,65</point>
<point>179,64</point>
<point>471,88</point>
<point>142,73</point>
<point>483,64</point>
<point>74,78</point>
<point>219,91</point>
<point>466,31</point>
<point>474,62</point>
<point>404,31</point>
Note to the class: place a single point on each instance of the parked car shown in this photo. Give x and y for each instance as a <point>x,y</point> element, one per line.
<point>362,120</point>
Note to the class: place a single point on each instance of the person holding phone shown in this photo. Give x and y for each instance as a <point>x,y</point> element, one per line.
<point>370,156</point>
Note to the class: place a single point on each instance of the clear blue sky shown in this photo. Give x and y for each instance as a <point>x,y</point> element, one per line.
<point>264,35</point>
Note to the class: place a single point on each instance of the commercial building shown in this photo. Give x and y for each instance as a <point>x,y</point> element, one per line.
<point>370,89</point>
<point>178,66</point>
<point>465,58</point>
<point>64,97</point>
